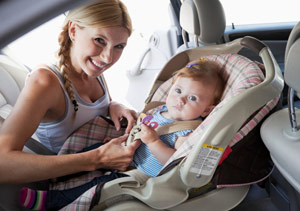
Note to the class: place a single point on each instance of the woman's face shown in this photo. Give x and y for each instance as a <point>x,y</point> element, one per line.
<point>94,50</point>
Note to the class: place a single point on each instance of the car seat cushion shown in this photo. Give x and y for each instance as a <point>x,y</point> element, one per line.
<point>249,162</point>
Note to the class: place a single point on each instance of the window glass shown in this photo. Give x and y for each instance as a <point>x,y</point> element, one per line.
<point>39,46</point>
<point>260,11</point>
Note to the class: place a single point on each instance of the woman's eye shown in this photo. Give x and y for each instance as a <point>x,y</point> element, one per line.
<point>121,47</point>
<point>100,40</point>
<point>177,90</point>
<point>192,98</point>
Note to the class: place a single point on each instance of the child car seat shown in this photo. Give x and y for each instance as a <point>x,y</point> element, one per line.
<point>280,133</point>
<point>248,97</point>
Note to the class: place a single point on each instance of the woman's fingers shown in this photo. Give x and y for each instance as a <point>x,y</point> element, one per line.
<point>116,155</point>
<point>116,121</point>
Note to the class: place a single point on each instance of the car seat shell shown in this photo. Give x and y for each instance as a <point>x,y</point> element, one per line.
<point>171,189</point>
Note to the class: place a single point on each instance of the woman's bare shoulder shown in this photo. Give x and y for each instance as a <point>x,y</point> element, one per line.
<point>42,88</point>
<point>43,77</point>
<point>40,83</point>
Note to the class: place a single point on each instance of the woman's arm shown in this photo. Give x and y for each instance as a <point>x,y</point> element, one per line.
<point>40,98</point>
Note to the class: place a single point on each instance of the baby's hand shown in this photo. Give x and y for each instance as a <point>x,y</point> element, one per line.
<point>148,135</point>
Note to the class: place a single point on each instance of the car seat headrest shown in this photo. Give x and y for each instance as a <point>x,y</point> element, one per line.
<point>203,18</point>
<point>292,62</point>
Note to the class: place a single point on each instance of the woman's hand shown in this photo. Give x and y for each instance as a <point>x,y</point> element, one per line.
<point>148,134</point>
<point>118,111</point>
<point>115,155</point>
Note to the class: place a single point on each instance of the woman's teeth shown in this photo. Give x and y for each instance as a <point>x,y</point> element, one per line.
<point>98,65</point>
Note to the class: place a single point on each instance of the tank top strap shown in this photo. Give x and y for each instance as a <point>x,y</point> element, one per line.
<point>55,70</point>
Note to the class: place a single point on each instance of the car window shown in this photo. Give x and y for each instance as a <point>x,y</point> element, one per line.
<point>39,45</point>
<point>260,11</point>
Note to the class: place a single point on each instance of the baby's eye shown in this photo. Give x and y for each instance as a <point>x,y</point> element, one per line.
<point>177,90</point>
<point>192,98</point>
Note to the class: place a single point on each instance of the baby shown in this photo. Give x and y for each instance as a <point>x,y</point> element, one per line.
<point>196,90</point>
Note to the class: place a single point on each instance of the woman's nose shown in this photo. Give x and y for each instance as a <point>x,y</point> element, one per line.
<point>107,55</point>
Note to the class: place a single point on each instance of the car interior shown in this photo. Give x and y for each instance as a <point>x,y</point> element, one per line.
<point>266,107</point>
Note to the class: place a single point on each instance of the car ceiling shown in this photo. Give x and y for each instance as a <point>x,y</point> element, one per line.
<point>19,17</point>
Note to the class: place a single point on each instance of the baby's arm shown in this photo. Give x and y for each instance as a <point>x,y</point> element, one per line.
<point>161,151</point>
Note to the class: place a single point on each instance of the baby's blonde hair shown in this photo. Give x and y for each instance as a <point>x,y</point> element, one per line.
<point>204,71</point>
<point>101,13</point>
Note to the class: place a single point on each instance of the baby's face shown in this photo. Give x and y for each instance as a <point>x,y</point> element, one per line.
<point>189,99</point>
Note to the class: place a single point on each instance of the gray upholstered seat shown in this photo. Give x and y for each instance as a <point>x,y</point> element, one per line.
<point>281,134</point>
<point>203,21</point>
<point>12,79</point>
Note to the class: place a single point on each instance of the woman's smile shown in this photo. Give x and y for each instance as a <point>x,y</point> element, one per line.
<point>97,64</point>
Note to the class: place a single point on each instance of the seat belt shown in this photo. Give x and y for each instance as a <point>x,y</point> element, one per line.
<point>161,130</point>
<point>37,147</point>
<point>34,145</point>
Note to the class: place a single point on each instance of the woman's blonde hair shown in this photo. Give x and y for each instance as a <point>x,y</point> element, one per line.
<point>207,72</point>
<point>101,13</point>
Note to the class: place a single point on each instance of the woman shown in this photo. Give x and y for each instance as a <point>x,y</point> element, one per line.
<point>59,98</point>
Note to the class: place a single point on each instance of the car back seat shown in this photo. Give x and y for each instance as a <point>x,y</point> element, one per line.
<point>12,80</point>
<point>202,22</point>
